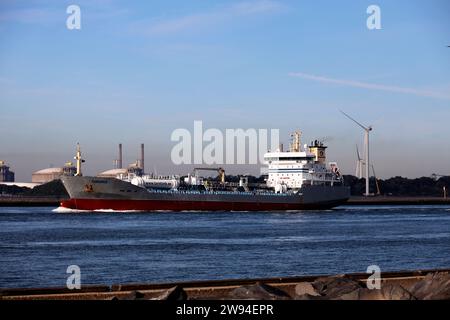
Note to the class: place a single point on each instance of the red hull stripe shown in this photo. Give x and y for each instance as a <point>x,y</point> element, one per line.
<point>155,205</point>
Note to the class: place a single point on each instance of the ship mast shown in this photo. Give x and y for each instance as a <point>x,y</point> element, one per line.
<point>79,161</point>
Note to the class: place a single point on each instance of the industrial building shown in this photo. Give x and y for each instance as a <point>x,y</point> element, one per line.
<point>5,174</point>
<point>136,168</point>
<point>50,174</point>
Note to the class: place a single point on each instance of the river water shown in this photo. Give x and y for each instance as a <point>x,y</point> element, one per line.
<point>38,244</point>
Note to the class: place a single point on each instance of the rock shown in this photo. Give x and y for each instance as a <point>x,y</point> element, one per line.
<point>435,286</point>
<point>353,295</point>
<point>365,294</point>
<point>134,295</point>
<point>173,294</point>
<point>258,291</point>
<point>387,292</point>
<point>395,292</point>
<point>335,287</point>
<point>305,288</point>
<point>309,297</point>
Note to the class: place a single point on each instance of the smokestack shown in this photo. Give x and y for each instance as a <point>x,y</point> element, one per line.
<point>142,158</point>
<point>120,156</point>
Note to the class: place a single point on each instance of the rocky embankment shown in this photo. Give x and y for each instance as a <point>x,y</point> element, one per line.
<point>417,285</point>
<point>434,286</point>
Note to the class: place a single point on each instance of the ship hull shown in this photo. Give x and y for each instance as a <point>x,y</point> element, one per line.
<point>155,205</point>
<point>90,193</point>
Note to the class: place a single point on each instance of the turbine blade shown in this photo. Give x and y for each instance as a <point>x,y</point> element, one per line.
<point>359,124</point>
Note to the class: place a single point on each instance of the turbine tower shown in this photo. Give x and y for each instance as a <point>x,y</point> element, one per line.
<point>366,149</point>
<point>359,164</point>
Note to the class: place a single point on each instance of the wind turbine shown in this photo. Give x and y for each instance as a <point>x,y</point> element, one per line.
<point>359,164</point>
<point>366,147</point>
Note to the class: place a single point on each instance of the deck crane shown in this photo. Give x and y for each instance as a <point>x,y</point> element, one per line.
<point>221,172</point>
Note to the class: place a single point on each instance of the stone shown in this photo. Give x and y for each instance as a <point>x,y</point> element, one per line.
<point>134,295</point>
<point>258,291</point>
<point>395,292</point>
<point>173,294</point>
<point>353,295</point>
<point>305,288</point>
<point>387,292</point>
<point>335,287</point>
<point>435,286</point>
<point>309,297</point>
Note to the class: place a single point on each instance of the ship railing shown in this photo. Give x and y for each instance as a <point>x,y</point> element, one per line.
<point>325,177</point>
<point>220,192</point>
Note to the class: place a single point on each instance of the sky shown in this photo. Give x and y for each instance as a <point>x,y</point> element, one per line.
<point>138,70</point>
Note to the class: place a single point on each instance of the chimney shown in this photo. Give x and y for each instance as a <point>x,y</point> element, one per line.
<point>142,158</point>
<point>120,156</point>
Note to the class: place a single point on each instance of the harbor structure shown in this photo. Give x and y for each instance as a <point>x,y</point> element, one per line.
<point>135,169</point>
<point>6,175</point>
<point>50,174</point>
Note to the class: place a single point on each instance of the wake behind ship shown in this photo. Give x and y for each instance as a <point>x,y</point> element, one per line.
<point>297,180</point>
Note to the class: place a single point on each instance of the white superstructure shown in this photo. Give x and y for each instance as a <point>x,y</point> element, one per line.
<point>299,166</point>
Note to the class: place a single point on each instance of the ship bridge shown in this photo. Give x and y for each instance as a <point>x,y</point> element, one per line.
<point>299,166</point>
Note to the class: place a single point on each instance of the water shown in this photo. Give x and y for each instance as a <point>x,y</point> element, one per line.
<point>37,245</point>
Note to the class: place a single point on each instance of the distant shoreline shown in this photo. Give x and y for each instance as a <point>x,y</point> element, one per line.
<point>393,200</point>
<point>27,201</point>
<point>42,201</point>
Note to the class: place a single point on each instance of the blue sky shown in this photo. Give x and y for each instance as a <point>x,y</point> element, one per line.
<point>137,70</point>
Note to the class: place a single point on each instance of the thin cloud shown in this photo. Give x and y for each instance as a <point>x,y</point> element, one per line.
<point>371,86</point>
<point>32,15</point>
<point>93,9</point>
<point>6,81</point>
<point>204,19</point>
<point>255,7</point>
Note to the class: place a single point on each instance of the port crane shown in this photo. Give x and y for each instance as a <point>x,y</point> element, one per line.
<point>376,181</point>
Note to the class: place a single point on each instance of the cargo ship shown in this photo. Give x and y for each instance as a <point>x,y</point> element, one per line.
<point>297,179</point>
